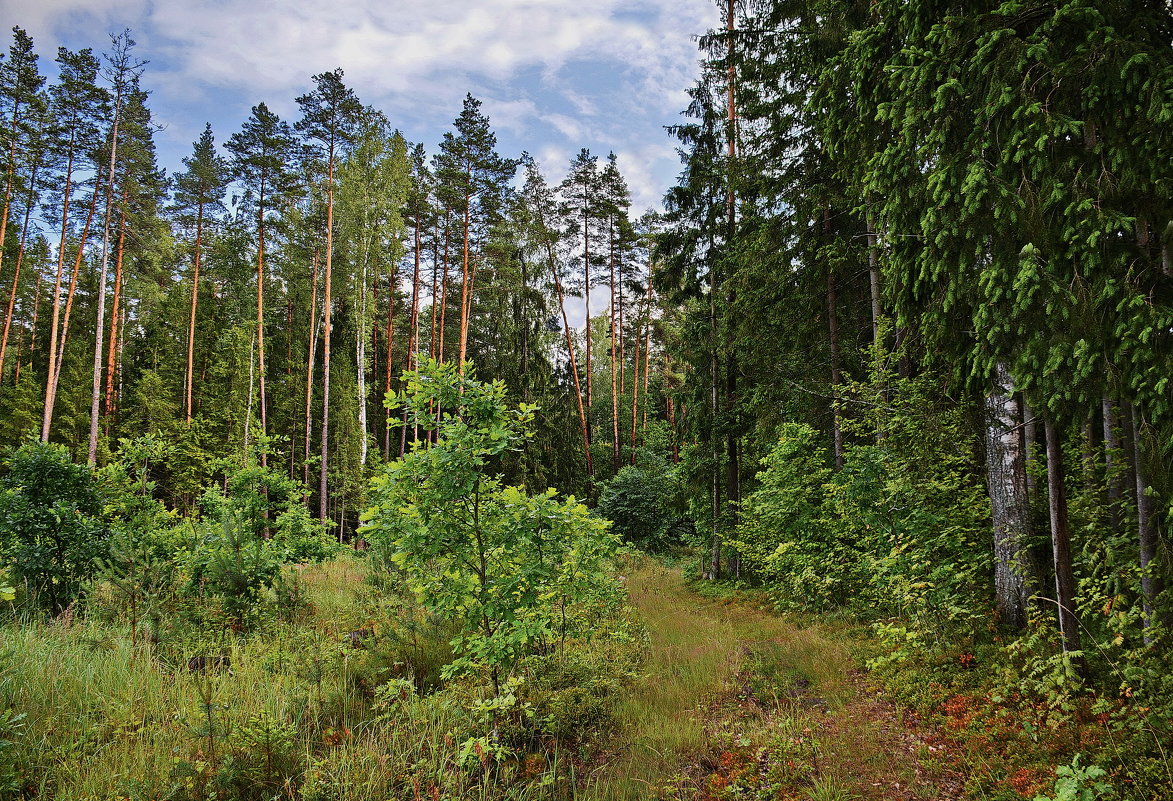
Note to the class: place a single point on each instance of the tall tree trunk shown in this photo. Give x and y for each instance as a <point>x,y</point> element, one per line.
<point>115,310</point>
<point>670,403</point>
<point>1146,523</point>
<point>32,326</point>
<point>10,177</point>
<point>714,439</point>
<point>873,278</point>
<point>1112,468</point>
<point>836,370</point>
<point>465,300</point>
<point>444,288</point>
<point>191,323</point>
<point>311,353</point>
<point>412,360</point>
<point>639,335</point>
<point>1015,576</point>
<point>100,324</point>
<point>614,365</point>
<point>1061,541</point>
<point>24,229</point>
<point>732,470</point>
<point>586,294</point>
<point>326,324</point>
<point>50,388</point>
<point>647,371</point>
<point>261,321</point>
<point>622,336</point>
<point>582,418</point>
<point>432,352</point>
<point>1030,437</point>
<point>70,294</point>
<point>360,354</point>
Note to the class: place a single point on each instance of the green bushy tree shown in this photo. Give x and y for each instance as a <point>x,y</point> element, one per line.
<point>637,501</point>
<point>507,565</point>
<point>52,530</point>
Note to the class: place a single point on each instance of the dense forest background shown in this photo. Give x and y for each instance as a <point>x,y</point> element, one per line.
<point>900,343</point>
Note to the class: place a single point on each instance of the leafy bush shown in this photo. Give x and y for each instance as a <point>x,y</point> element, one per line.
<point>638,501</point>
<point>232,571</point>
<point>271,505</point>
<point>505,564</point>
<point>52,530</point>
<point>784,534</point>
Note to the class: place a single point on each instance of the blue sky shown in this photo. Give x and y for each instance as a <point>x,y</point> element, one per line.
<point>554,75</point>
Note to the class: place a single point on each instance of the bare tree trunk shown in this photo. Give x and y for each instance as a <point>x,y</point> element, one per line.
<point>614,365</point>
<point>326,324</point>
<point>714,439</point>
<point>32,326</point>
<point>836,371</point>
<point>67,314</point>
<point>582,418</point>
<point>1112,468</point>
<point>195,293</point>
<point>248,417</point>
<point>1146,514</point>
<point>10,181</point>
<point>639,335</point>
<point>672,429</point>
<point>115,311</point>
<point>92,453</point>
<point>647,371</point>
<point>261,320</point>
<point>874,279</point>
<point>50,388</point>
<point>1015,576</point>
<point>311,353</point>
<point>28,209</point>
<point>1061,542</point>
<point>465,300</point>
<point>360,347</point>
<point>444,288</point>
<point>586,295</point>
<point>1030,436</point>
<point>435,290</point>
<point>412,361</point>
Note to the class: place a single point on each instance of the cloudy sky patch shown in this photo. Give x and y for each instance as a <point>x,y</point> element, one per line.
<point>554,75</point>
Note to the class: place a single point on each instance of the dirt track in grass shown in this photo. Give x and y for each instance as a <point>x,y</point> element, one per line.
<point>738,702</point>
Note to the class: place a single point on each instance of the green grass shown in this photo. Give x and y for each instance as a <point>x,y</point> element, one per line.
<point>105,720</point>
<point>727,677</point>
<point>697,646</point>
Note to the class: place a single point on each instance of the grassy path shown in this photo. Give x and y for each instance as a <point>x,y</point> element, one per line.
<point>738,702</point>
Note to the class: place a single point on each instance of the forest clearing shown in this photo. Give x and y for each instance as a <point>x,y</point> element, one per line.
<point>371,441</point>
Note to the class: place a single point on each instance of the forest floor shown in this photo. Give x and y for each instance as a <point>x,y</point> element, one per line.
<point>739,702</point>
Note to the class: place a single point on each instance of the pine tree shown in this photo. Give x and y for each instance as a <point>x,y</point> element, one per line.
<point>476,178</point>
<point>200,189</point>
<point>122,71</point>
<point>76,105</point>
<point>262,152</point>
<point>328,117</point>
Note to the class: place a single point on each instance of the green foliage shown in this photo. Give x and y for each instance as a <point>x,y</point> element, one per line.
<point>1078,782</point>
<point>639,501</point>
<point>232,572</point>
<point>271,505</point>
<point>51,523</point>
<point>265,759</point>
<point>505,564</point>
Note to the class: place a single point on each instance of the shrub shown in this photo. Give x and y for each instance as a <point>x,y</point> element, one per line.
<point>505,564</point>
<point>52,530</point>
<point>232,570</point>
<point>270,505</point>
<point>638,502</point>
